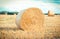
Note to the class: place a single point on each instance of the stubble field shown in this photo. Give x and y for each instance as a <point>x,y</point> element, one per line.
<point>9,29</point>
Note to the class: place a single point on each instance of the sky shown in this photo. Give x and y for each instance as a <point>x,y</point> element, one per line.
<point>17,5</point>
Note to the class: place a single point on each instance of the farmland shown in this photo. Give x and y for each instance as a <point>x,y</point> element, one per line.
<point>9,29</point>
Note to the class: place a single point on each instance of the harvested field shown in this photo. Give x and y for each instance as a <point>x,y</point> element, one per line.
<point>9,30</point>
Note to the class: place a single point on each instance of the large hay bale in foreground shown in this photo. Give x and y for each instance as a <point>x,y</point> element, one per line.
<point>32,19</point>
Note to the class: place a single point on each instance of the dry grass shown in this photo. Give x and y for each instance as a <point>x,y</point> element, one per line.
<point>9,30</point>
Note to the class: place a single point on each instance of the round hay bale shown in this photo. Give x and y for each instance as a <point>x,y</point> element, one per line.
<point>50,13</point>
<point>31,19</point>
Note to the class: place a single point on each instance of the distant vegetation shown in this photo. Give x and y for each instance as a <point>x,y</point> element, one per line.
<point>55,14</point>
<point>9,13</point>
<point>12,13</point>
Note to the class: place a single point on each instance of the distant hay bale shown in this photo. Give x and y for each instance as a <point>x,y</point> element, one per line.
<point>32,19</point>
<point>50,13</point>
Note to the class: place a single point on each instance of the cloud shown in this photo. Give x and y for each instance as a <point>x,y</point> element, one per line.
<point>45,5</point>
